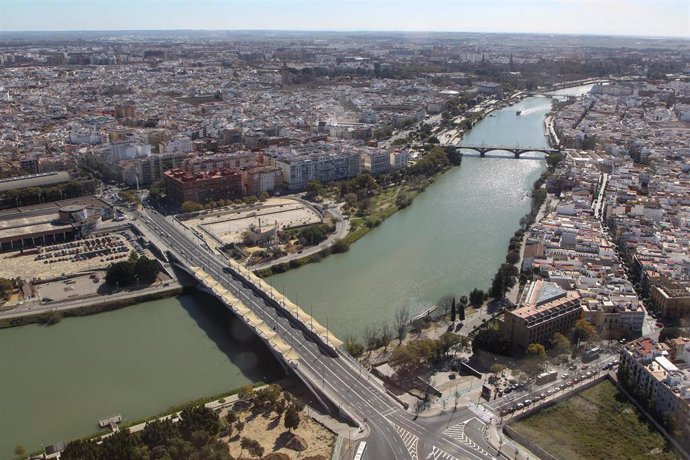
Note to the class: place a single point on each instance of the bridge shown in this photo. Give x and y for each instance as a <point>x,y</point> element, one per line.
<point>516,151</point>
<point>312,353</point>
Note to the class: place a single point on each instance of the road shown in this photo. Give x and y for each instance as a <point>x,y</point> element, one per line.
<point>31,308</point>
<point>392,432</point>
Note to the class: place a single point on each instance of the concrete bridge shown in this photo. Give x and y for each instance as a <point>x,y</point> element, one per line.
<point>516,151</point>
<point>311,352</point>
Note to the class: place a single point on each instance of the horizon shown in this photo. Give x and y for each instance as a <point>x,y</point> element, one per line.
<point>350,31</point>
<point>618,18</point>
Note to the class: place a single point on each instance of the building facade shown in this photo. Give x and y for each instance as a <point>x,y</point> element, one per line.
<point>202,187</point>
<point>544,310</point>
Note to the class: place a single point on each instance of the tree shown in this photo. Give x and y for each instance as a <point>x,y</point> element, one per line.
<point>157,432</point>
<point>80,449</point>
<point>477,297</point>
<point>583,331</point>
<point>669,333</point>
<point>292,418</point>
<point>512,257</point>
<point>454,155</point>
<point>535,354</point>
<point>246,393</point>
<point>415,356</point>
<point>146,270</point>
<point>505,278</point>
<point>6,286</point>
<point>255,449</point>
<point>198,418</point>
<point>461,312</point>
<point>448,341</point>
<point>121,445</point>
<point>536,350</point>
<point>120,273</point>
<point>190,206</point>
<point>560,344</point>
<point>314,188</point>
<point>490,339</point>
<point>402,317</point>
<point>453,311</point>
<point>497,368</point>
<point>445,303</point>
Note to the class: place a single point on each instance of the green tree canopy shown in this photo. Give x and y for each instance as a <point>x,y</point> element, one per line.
<point>560,344</point>
<point>292,418</point>
<point>490,339</point>
<point>536,350</point>
<point>669,333</point>
<point>505,278</point>
<point>80,449</point>
<point>196,418</point>
<point>190,206</point>
<point>584,331</point>
<point>477,297</point>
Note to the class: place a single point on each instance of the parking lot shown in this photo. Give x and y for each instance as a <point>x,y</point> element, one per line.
<point>519,398</point>
<point>47,262</point>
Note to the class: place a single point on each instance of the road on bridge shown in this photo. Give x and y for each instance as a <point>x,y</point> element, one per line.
<point>392,433</point>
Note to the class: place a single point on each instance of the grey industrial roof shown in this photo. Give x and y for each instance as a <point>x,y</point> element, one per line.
<point>34,180</point>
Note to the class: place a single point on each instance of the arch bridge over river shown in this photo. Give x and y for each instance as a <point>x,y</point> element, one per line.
<point>517,151</point>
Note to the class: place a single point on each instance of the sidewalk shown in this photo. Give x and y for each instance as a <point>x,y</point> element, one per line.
<point>506,447</point>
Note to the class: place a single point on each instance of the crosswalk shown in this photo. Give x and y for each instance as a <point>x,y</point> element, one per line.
<point>409,440</point>
<point>457,432</point>
<point>482,412</point>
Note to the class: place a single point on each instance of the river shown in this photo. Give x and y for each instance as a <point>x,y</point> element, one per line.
<point>57,381</point>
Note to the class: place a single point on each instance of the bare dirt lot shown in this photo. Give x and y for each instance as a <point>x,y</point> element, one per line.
<point>227,225</point>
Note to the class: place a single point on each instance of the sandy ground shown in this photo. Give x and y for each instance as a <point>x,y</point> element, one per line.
<point>29,266</point>
<point>267,431</point>
<point>228,224</point>
<point>79,286</point>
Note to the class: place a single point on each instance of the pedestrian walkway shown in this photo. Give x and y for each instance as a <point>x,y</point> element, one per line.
<point>483,413</point>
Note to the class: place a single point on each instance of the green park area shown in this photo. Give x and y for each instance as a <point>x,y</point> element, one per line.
<point>598,423</point>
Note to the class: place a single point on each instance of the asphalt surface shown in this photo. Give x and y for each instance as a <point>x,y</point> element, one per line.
<point>392,432</point>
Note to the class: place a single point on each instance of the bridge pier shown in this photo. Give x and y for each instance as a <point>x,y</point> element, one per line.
<point>517,155</point>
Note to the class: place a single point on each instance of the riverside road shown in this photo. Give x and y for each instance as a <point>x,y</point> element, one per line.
<point>392,432</point>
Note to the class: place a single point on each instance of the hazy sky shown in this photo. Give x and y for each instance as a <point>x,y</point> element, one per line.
<point>619,17</point>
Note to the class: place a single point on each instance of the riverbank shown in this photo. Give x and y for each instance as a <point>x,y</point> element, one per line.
<point>384,205</point>
<point>52,313</point>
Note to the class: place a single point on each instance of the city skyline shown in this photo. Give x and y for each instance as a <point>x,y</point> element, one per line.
<point>663,18</point>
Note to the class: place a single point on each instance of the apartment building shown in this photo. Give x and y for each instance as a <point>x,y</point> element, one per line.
<point>672,298</point>
<point>203,186</point>
<point>544,309</point>
<point>660,384</point>
<point>376,161</point>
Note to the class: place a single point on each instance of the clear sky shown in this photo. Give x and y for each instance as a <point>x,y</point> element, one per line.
<point>609,17</point>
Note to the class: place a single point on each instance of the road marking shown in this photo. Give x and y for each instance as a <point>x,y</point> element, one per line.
<point>457,432</point>
<point>437,454</point>
<point>409,440</point>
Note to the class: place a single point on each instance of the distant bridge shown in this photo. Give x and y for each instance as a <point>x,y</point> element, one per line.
<point>516,151</point>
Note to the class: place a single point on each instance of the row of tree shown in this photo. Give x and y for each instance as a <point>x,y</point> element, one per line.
<point>141,270</point>
<point>194,437</point>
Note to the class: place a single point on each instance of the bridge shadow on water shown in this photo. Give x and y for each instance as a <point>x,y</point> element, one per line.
<point>232,337</point>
